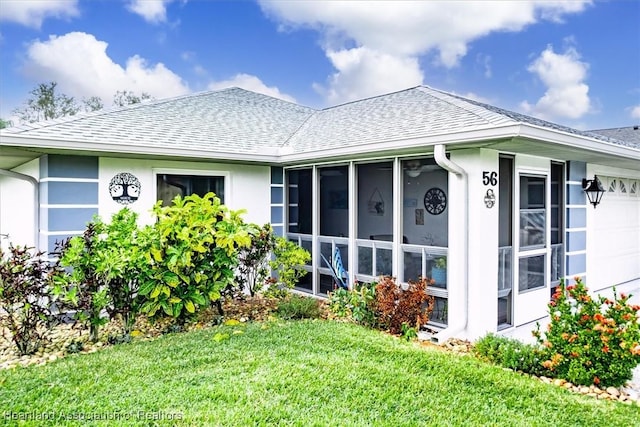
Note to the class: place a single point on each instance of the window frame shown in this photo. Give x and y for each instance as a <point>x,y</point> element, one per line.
<point>226,175</point>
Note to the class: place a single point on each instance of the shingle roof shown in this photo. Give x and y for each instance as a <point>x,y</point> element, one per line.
<point>522,118</point>
<point>630,134</point>
<point>410,113</point>
<point>230,120</point>
<point>241,122</point>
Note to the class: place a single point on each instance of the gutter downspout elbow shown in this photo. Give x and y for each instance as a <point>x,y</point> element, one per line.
<point>460,324</point>
<point>36,201</point>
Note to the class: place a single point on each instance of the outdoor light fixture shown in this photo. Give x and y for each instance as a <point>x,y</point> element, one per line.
<point>594,190</point>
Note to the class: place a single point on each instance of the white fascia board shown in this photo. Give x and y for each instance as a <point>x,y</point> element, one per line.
<point>578,141</point>
<point>268,155</point>
<point>453,138</point>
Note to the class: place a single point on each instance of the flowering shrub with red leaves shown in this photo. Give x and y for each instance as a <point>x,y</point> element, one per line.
<point>395,306</point>
<point>590,340</point>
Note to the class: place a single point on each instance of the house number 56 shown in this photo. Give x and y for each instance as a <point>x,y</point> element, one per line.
<point>489,178</point>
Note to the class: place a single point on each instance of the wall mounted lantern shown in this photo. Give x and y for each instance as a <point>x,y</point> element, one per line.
<point>594,190</point>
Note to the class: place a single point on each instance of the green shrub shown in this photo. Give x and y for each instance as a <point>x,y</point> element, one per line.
<point>191,253</point>
<point>510,353</point>
<point>288,263</point>
<point>25,280</point>
<point>356,304</point>
<point>298,307</point>
<point>106,264</point>
<point>591,340</point>
<point>253,261</point>
<point>124,263</point>
<point>267,253</point>
<point>84,289</point>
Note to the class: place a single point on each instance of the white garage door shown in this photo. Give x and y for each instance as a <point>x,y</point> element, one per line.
<point>613,238</point>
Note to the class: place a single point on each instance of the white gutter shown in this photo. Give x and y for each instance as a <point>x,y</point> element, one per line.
<point>459,324</point>
<point>36,201</point>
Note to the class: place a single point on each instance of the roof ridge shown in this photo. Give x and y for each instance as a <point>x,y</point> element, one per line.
<point>382,95</point>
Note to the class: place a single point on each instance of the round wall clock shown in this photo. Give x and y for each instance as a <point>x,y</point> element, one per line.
<point>435,201</point>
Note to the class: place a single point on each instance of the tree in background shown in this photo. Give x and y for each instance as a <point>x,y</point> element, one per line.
<point>46,103</point>
<point>126,97</point>
<point>5,123</point>
<point>93,103</point>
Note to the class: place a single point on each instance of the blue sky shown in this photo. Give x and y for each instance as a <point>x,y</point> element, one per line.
<point>572,62</point>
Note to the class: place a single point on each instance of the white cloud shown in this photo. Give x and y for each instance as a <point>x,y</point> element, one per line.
<point>152,11</point>
<point>252,83</point>
<point>485,62</point>
<point>80,65</point>
<point>31,13</point>
<point>563,74</point>
<point>363,72</point>
<point>635,112</point>
<point>409,29</point>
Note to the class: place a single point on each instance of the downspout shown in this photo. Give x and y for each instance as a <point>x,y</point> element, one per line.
<point>459,325</point>
<point>36,201</point>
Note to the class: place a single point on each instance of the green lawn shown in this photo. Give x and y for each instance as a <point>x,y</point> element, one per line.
<point>316,373</point>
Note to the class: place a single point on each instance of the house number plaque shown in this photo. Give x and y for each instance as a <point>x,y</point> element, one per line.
<point>489,178</point>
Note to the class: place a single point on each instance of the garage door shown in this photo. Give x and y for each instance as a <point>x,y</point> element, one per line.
<point>613,242</point>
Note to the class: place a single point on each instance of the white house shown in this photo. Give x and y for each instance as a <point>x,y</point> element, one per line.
<point>401,183</point>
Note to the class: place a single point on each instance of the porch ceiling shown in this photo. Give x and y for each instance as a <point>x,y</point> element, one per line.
<point>11,157</point>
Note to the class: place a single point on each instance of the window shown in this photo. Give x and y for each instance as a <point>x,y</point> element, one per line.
<point>533,233</point>
<point>169,186</point>
<point>531,272</point>
<point>532,212</point>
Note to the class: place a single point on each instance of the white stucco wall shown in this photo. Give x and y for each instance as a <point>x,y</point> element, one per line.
<point>246,187</point>
<point>17,210</point>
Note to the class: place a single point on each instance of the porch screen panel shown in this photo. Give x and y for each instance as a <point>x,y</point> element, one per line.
<point>557,224</point>
<point>374,219</point>
<point>299,201</point>
<point>334,201</point>
<point>505,242</point>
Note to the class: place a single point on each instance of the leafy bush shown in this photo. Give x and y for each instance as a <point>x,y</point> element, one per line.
<point>356,304</point>
<point>299,307</point>
<point>395,306</point>
<point>85,289</point>
<point>124,263</point>
<point>288,262</point>
<point>253,262</point>
<point>105,266</point>
<point>591,340</point>
<point>191,252</point>
<point>25,280</point>
<point>510,353</point>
